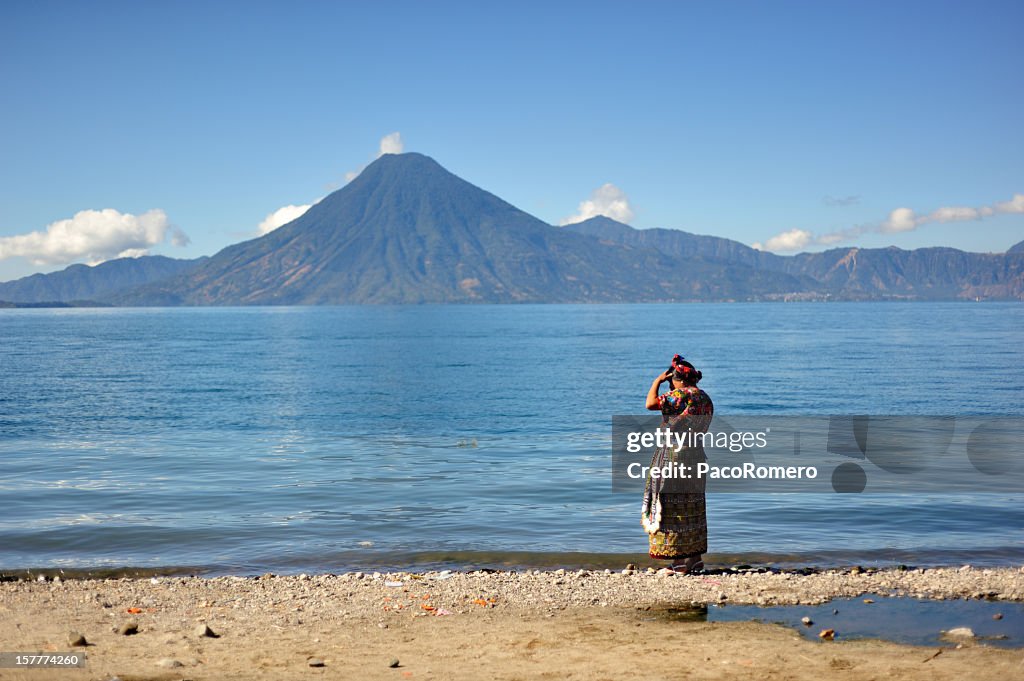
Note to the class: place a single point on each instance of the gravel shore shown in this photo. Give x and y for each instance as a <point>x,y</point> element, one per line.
<point>274,626</point>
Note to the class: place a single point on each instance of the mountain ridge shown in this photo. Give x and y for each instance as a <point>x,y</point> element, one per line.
<point>92,282</point>
<point>406,230</point>
<point>850,273</point>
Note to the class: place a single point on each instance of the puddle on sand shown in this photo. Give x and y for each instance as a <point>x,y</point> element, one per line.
<point>902,620</point>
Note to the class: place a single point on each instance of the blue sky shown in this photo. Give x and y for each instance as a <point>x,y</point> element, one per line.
<point>813,123</point>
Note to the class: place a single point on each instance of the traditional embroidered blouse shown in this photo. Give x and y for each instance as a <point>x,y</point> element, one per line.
<point>686,401</point>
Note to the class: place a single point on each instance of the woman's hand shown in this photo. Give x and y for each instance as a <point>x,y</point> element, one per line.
<point>652,395</point>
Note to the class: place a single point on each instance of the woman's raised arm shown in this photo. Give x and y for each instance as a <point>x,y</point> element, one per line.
<point>652,394</point>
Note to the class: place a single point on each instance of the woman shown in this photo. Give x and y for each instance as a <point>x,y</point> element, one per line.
<point>673,509</point>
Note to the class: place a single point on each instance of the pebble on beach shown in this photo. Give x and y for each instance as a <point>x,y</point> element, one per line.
<point>129,628</point>
<point>168,663</point>
<point>394,663</point>
<point>807,621</point>
<point>959,634</point>
<point>76,640</point>
<point>203,630</point>
<point>315,662</point>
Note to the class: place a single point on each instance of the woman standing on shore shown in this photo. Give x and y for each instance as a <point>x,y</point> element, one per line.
<point>674,508</point>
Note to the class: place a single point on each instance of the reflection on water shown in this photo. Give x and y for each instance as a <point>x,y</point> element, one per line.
<point>903,620</point>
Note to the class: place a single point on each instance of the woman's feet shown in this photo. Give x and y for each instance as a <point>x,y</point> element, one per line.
<point>691,565</point>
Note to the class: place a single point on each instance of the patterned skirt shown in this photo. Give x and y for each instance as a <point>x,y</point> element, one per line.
<point>684,526</point>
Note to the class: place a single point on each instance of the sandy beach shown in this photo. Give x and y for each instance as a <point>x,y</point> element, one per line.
<point>479,625</point>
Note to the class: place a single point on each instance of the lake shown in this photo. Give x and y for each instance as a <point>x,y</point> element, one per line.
<point>298,439</point>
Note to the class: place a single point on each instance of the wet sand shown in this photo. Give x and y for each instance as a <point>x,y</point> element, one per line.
<point>547,625</point>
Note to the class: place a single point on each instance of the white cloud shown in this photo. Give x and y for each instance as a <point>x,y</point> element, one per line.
<point>1014,205</point>
<point>178,237</point>
<point>391,144</point>
<point>132,253</point>
<point>791,240</point>
<point>829,239</point>
<point>842,201</point>
<point>954,214</point>
<point>607,200</point>
<point>899,220</point>
<point>93,236</point>
<point>282,216</point>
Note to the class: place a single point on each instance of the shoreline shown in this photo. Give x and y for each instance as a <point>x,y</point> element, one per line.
<point>562,624</point>
<point>528,561</point>
<point>751,586</point>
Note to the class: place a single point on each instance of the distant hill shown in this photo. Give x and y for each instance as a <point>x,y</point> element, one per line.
<point>922,274</point>
<point>408,231</point>
<point>1016,248</point>
<point>677,243</point>
<point>844,273</point>
<point>86,283</point>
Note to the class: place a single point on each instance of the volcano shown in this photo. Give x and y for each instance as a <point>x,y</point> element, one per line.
<point>408,231</point>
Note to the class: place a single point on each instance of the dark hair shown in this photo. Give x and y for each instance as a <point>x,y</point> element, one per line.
<point>684,371</point>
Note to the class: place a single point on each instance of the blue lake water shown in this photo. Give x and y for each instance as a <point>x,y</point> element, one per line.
<point>332,438</point>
